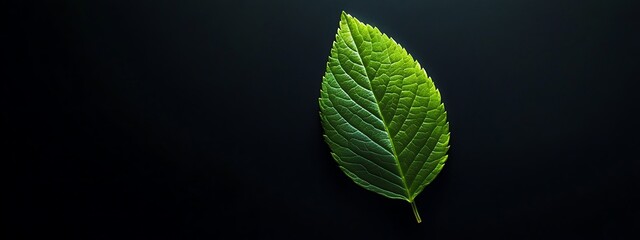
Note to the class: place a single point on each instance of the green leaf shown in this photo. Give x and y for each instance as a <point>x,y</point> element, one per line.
<point>382,115</point>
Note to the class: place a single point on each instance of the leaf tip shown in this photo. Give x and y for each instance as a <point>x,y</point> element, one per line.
<point>344,16</point>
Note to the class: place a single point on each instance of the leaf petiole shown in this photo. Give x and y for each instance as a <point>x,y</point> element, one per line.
<point>415,211</point>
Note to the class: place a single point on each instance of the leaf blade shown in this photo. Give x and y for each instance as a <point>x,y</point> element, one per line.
<point>382,115</point>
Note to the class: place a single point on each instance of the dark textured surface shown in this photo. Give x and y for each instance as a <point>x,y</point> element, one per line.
<point>196,119</point>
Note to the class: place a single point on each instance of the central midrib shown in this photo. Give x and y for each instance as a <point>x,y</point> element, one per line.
<point>384,123</point>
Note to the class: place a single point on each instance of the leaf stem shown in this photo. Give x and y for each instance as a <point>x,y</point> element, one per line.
<point>415,211</point>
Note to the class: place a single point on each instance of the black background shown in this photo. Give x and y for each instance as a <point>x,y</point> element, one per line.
<point>199,119</point>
